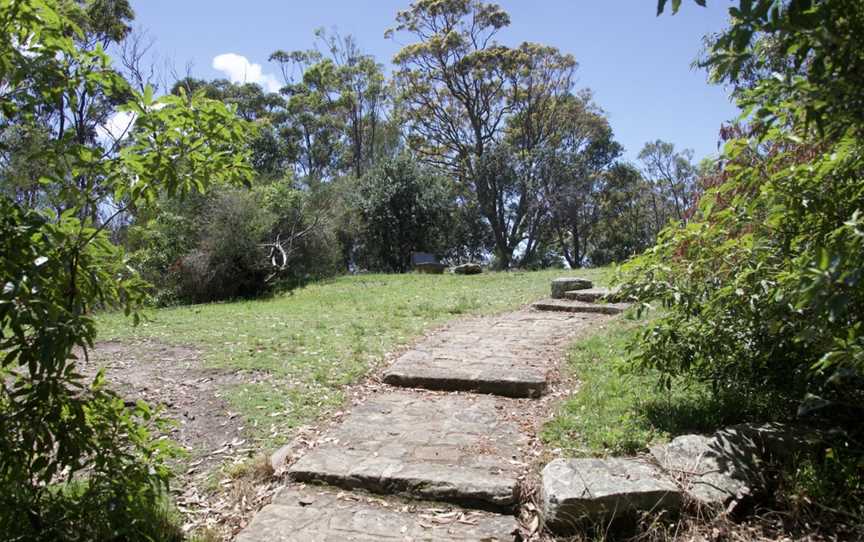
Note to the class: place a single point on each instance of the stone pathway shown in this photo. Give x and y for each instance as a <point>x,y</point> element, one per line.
<point>433,442</point>
<point>508,355</point>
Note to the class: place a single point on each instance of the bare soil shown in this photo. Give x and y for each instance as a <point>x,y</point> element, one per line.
<point>173,377</point>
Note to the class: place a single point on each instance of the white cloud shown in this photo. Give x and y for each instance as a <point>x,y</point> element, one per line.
<point>117,126</point>
<point>240,70</point>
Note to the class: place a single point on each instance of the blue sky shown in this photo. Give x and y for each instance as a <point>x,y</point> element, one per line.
<point>638,65</point>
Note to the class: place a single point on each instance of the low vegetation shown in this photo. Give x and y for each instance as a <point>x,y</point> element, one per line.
<point>315,340</point>
<point>618,411</point>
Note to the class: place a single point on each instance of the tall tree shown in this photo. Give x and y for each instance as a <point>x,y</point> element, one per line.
<point>337,108</point>
<point>571,170</point>
<point>672,175</point>
<point>625,224</point>
<point>460,89</point>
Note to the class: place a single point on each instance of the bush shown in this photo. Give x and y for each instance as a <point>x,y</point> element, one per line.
<point>229,261</point>
<point>404,208</point>
<point>75,463</point>
<point>763,288</point>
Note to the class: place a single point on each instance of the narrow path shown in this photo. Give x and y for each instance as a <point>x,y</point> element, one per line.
<point>458,441</point>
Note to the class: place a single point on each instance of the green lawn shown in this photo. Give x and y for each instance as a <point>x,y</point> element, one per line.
<point>312,342</point>
<point>618,411</point>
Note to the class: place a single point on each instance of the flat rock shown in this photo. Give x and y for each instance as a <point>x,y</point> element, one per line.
<point>562,305</point>
<point>579,491</point>
<point>590,295</point>
<point>468,269</point>
<point>567,284</point>
<point>507,355</point>
<point>306,514</point>
<point>711,470</point>
<point>453,448</point>
<point>727,465</point>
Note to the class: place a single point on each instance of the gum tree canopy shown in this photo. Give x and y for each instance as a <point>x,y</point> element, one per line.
<point>462,92</point>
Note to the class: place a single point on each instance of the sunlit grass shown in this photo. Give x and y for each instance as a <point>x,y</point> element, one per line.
<point>618,410</point>
<point>310,343</point>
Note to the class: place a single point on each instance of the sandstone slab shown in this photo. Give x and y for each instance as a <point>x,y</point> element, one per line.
<point>579,491</point>
<point>452,448</point>
<point>711,470</point>
<point>507,355</point>
<point>727,466</point>
<point>567,284</point>
<point>590,295</point>
<point>562,305</point>
<point>468,269</point>
<point>316,515</point>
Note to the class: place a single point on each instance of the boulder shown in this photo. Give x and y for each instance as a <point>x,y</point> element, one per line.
<point>726,467</point>
<point>468,269</point>
<point>713,470</point>
<point>586,491</point>
<point>567,284</point>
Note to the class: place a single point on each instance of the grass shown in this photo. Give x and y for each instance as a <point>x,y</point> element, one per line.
<point>617,411</point>
<point>310,343</point>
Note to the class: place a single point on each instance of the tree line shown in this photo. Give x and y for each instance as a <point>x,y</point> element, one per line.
<point>470,149</point>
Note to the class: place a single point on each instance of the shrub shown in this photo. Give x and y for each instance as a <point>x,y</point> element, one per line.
<point>229,261</point>
<point>404,208</point>
<point>763,288</point>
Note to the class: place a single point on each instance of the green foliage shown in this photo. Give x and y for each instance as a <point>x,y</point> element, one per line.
<point>304,346</point>
<point>617,411</point>
<point>763,287</point>
<point>404,208</point>
<point>75,461</point>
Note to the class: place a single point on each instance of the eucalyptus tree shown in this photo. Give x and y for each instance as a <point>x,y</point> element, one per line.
<point>571,170</point>
<point>624,227</point>
<point>335,108</point>
<point>461,92</point>
<point>672,175</point>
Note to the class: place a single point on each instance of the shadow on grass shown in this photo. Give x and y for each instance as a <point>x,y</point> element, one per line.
<point>705,412</point>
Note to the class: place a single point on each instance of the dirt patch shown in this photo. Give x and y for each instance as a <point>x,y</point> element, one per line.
<point>191,395</point>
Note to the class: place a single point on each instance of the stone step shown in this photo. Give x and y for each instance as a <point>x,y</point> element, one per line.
<point>479,379</point>
<point>311,514</point>
<point>568,284</point>
<point>563,305</point>
<point>590,295</point>
<point>454,448</point>
<point>504,355</point>
<point>588,491</point>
